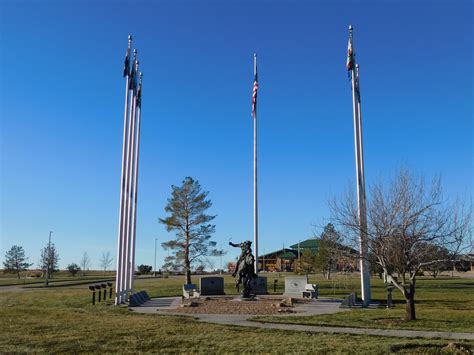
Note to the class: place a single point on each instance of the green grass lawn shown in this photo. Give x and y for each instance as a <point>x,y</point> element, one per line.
<point>444,304</point>
<point>63,320</point>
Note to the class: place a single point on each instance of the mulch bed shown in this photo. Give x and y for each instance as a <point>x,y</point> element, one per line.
<point>230,305</point>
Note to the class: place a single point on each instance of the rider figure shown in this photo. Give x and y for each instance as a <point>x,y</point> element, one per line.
<point>245,246</point>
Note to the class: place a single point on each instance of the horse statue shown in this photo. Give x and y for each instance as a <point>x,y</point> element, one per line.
<point>244,268</point>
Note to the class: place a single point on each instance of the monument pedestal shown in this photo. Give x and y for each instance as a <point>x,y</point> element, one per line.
<point>295,285</point>
<point>259,285</point>
<point>211,285</point>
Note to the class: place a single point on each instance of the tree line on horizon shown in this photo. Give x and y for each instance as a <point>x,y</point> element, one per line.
<point>17,262</point>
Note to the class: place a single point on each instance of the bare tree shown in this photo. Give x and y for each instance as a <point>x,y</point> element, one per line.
<point>85,263</point>
<point>210,263</point>
<point>437,253</point>
<point>105,261</point>
<point>49,261</point>
<point>230,265</point>
<point>406,220</point>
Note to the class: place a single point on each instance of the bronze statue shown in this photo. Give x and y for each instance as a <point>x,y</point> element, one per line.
<point>244,268</point>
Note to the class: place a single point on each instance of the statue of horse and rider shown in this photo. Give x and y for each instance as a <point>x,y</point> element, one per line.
<point>244,268</point>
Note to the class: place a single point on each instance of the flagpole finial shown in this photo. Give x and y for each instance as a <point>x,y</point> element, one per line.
<point>351,28</point>
<point>255,64</point>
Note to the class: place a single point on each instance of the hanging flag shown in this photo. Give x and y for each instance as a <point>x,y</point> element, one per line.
<point>126,67</point>
<point>254,95</point>
<point>350,55</point>
<point>133,76</point>
<point>139,92</point>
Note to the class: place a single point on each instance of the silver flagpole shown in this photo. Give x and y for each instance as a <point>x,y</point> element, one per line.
<point>363,209</point>
<point>363,252</point>
<point>255,191</point>
<point>135,182</point>
<point>118,275</point>
<point>130,171</point>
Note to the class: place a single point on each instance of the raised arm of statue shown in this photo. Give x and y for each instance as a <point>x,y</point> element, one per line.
<point>234,245</point>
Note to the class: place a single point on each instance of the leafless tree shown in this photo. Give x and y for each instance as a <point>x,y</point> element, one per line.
<point>106,260</point>
<point>85,263</point>
<point>210,263</point>
<point>406,219</point>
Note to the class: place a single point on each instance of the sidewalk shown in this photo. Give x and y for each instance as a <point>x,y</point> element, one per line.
<point>164,306</point>
<point>243,321</point>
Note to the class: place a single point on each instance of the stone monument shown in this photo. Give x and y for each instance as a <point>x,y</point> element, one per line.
<point>211,285</point>
<point>295,285</point>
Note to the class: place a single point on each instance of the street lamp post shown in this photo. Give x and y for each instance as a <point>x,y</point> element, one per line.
<point>154,266</point>
<point>220,258</point>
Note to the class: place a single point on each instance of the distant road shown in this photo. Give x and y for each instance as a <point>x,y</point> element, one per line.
<point>39,286</point>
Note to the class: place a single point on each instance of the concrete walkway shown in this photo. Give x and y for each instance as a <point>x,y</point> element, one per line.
<point>316,307</point>
<point>398,333</point>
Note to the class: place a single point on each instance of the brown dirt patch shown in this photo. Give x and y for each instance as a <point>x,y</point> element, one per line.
<point>390,321</point>
<point>229,305</point>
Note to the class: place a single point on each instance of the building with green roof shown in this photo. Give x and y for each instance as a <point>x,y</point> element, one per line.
<point>286,259</point>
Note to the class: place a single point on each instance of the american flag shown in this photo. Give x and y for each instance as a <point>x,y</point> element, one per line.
<point>350,54</point>
<point>254,96</point>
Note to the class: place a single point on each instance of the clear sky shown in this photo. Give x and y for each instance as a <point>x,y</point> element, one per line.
<point>62,94</point>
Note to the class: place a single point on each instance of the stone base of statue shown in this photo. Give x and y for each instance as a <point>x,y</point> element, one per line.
<point>250,297</point>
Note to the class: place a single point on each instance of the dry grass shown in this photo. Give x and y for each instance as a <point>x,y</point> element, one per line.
<point>445,304</point>
<point>62,320</point>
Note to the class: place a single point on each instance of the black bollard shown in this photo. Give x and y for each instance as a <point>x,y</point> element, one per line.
<point>389,296</point>
<point>104,286</point>
<point>275,285</point>
<point>92,288</point>
<point>110,291</point>
<point>97,287</point>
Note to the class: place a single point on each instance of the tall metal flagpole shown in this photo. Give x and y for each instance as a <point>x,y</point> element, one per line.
<point>255,191</point>
<point>130,171</point>
<point>119,271</point>
<point>359,156</point>
<point>135,181</point>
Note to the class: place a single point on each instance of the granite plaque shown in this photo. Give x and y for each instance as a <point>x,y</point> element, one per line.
<point>295,285</point>
<point>259,286</point>
<point>211,285</point>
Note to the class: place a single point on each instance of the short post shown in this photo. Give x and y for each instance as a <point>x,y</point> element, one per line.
<point>275,285</point>
<point>104,286</point>
<point>110,291</point>
<point>389,296</point>
<point>92,288</point>
<point>97,287</point>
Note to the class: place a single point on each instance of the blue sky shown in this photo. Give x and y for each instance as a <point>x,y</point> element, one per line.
<point>62,96</point>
